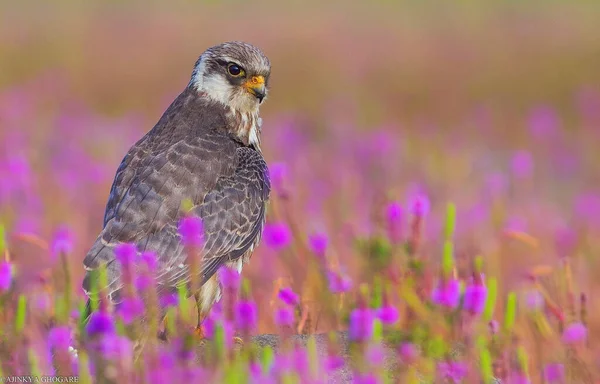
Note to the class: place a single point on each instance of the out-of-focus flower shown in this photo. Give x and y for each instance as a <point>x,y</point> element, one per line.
<point>408,352</point>
<point>192,231</point>
<point>494,327</point>
<point>447,294</point>
<point>116,347</point>
<point>288,296</point>
<point>452,370</point>
<point>229,278</point>
<point>6,275</point>
<point>126,253</point>
<point>246,315</point>
<point>143,282</point>
<point>534,300</point>
<point>277,235</point>
<point>518,378</point>
<point>62,242</point>
<point>475,297</point>
<point>278,174</point>
<point>284,317</point>
<point>365,378</point>
<point>361,324</point>
<point>543,122</point>
<point>150,259</point>
<point>60,338</point>
<point>375,354</point>
<point>574,333</point>
<point>169,300</point>
<point>338,282</point>
<point>130,309</point>
<point>394,221</point>
<point>41,302</point>
<point>587,208</point>
<point>554,373</point>
<point>100,323</point>
<point>522,164</point>
<point>388,314</point>
<point>334,362</point>
<point>420,205</point>
<point>318,244</point>
<point>497,184</point>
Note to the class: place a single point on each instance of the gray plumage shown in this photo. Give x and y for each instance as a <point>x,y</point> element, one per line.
<point>204,150</point>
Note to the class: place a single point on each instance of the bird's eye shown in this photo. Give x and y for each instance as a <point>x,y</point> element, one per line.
<point>235,70</point>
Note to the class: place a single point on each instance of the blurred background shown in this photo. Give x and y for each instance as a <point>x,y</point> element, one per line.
<point>492,105</point>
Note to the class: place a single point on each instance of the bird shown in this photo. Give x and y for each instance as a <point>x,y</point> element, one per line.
<point>204,150</point>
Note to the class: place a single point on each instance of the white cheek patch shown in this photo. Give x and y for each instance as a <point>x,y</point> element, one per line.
<point>218,89</point>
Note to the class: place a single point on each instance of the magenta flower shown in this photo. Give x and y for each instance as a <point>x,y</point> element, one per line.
<point>334,362</point>
<point>543,122</point>
<point>191,230</point>
<point>59,338</point>
<point>6,276</point>
<point>554,373</point>
<point>288,296</point>
<point>394,221</point>
<point>150,259</point>
<point>388,315</point>
<point>408,352</point>
<point>522,164</point>
<point>100,323</point>
<point>494,327</point>
<point>574,333</point>
<point>375,354</point>
<point>361,324</point>
<point>284,317</point>
<point>518,378</point>
<point>534,300</point>
<point>62,243</point>
<point>126,253</point>
<point>318,244</point>
<point>246,316</point>
<point>365,378</point>
<point>420,205</point>
<point>143,282</point>
<point>116,347</point>
<point>452,370</point>
<point>229,278</point>
<point>130,309</point>
<point>277,235</point>
<point>475,297</point>
<point>338,282</point>
<point>169,300</point>
<point>447,294</point>
<point>277,174</point>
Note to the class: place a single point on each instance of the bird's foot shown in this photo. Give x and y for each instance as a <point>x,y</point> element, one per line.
<point>238,340</point>
<point>200,332</point>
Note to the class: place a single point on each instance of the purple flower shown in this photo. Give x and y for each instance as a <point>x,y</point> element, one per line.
<point>6,275</point>
<point>543,122</point>
<point>125,253</point>
<point>150,259</point>
<point>338,282</point>
<point>60,338</point>
<point>246,316</point>
<point>420,205</point>
<point>334,362</point>
<point>475,297</point>
<point>394,221</point>
<point>534,300</point>
<point>284,317</point>
<point>375,354</point>
<point>288,296</point>
<point>169,300</point>
<point>192,231</point>
<point>365,378</point>
<point>116,347</point>
<point>277,235</point>
<point>388,315</point>
<point>277,175</point>
<point>318,244</point>
<point>100,323</point>
<point>130,309</point>
<point>361,324</point>
<point>494,326</point>
<point>62,243</point>
<point>522,164</point>
<point>447,294</point>
<point>554,373</point>
<point>453,370</point>
<point>518,378</point>
<point>408,352</point>
<point>574,333</point>
<point>229,278</point>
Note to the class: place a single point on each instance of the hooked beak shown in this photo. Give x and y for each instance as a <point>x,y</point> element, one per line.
<point>256,86</point>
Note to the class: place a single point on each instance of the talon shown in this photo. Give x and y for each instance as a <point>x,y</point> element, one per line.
<point>199,331</point>
<point>238,340</point>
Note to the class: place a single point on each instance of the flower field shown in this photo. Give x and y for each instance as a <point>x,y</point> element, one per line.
<point>435,204</point>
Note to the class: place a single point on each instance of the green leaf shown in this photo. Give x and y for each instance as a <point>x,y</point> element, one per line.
<point>450,221</point>
<point>490,302</point>
<point>267,358</point>
<point>21,312</point>
<point>485,362</point>
<point>448,258</point>
<point>511,311</point>
<point>2,239</point>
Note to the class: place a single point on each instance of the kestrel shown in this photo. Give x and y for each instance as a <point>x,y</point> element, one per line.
<point>205,149</point>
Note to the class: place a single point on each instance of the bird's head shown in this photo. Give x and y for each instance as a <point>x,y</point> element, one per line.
<point>235,74</point>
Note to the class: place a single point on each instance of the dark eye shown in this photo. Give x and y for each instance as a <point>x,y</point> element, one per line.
<point>235,70</point>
